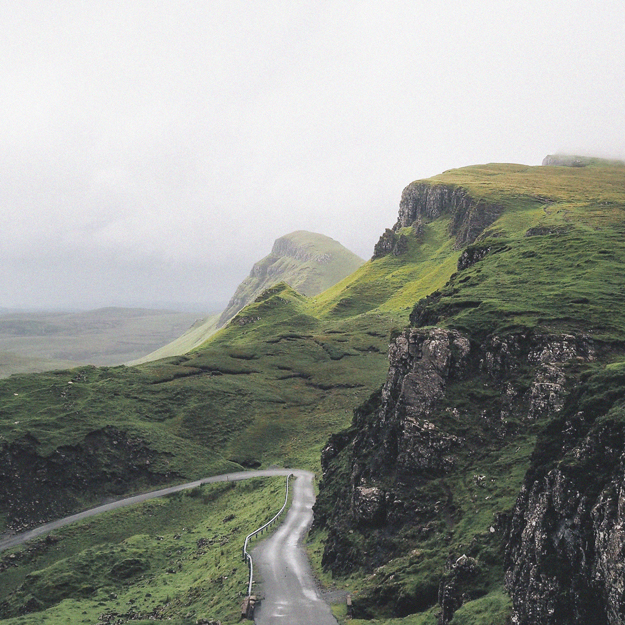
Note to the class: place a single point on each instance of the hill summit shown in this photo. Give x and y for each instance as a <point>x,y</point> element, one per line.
<point>308,262</point>
<point>473,475</point>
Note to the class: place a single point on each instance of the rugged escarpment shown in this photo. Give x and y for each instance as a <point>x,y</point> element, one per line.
<point>307,262</point>
<point>35,489</point>
<point>483,482</point>
<point>422,202</point>
<point>564,560</point>
<point>416,468</point>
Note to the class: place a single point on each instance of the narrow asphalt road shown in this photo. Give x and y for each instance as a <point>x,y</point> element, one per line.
<point>7,541</point>
<point>287,586</point>
<point>290,595</point>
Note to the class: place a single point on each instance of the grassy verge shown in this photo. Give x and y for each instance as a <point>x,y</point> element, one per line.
<point>175,558</point>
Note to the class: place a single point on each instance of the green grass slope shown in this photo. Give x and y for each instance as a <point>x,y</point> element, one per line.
<point>308,262</point>
<point>197,334</point>
<point>175,559</point>
<point>552,263</point>
<point>288,370</point>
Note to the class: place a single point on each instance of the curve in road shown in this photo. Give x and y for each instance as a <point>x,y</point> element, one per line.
<point>290,594</point>
<point>18,539</point>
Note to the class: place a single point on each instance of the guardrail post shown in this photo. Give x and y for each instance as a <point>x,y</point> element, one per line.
<point>247,609</point>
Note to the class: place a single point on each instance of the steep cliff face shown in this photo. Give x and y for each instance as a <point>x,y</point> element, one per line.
<point>425,202</point>
<point>396,483</point>
<point>307,262</point>
<point>564,559</point>
<point>489,467</point>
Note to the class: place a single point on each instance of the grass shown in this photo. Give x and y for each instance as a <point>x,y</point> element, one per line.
<point>197,334</point>
<point>289,370</point>
<point>310,263</point>
<point>174,558</point>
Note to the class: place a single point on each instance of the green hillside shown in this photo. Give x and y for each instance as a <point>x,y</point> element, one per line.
<point>466,469</point>
<point>552,261</point>
<point>308,262</point>
<point>492,250</point>
<point>197,334</point>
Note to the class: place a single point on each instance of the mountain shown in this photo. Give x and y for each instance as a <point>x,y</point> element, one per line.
<point>482,482</point>
<point>460,394</point>
<point>308,262</point>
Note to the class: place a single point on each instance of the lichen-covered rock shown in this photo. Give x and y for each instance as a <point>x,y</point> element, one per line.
<point>565,555</point>
<point>368,505</point>
<point>420,361</point>
<point>452,591</point>
<point>424,447</point>
<point>391,474</point>
<point>546,355</point>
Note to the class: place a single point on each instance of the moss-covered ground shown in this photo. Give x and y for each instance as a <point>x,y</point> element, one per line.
<point>289,370</point>
<point>174,559</point>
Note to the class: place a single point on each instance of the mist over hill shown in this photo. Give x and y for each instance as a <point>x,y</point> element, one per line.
<point>308,262</point>
<point>461,396</point>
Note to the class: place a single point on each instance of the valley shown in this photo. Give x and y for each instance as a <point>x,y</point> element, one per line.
<point>450,394</point>
<point>31,342</point>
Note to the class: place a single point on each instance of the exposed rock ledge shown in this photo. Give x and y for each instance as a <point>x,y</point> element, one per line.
<point>389,471</point>
<point>423,201</point>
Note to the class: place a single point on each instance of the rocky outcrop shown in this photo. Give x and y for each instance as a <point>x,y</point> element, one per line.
<point>393,469</point>
<point>457,585</point>
<point>564,160</point>
<point>425,202</point>
<point>564,558</point>
<point>390,243</point>
<point>473,254</point>
<point>35,488</point>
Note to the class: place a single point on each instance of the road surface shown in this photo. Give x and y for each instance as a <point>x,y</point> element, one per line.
<point>7,541</point>
<point>287,586</point>
<point>289,592</point>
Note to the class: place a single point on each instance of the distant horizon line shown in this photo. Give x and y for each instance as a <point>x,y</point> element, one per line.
<point>190,307</point>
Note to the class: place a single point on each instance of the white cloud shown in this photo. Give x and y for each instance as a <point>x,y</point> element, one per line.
<point>150,135</point>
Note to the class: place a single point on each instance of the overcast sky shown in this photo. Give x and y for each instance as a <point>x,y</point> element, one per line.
<point>151,151</point>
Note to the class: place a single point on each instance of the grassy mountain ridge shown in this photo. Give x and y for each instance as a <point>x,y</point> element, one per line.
<point>430,497</point>
<point>309,262</point>
<point>288,370</point>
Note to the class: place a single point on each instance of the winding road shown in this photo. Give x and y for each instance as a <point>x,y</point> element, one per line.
<point>287,586</point>
<point>288,590</point>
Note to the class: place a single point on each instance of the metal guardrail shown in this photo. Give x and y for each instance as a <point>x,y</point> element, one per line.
<point>246,555</point>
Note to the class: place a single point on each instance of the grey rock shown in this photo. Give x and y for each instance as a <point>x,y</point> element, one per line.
<point>565,555</point>
<point>424,202</point>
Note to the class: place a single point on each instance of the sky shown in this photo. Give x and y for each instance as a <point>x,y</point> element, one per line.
<point>151,151</point>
